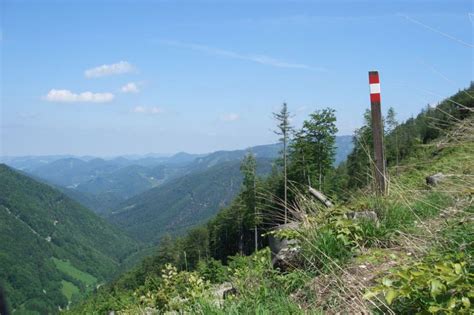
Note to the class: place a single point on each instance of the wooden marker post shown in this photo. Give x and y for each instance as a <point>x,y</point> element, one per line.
<point>377,132</point>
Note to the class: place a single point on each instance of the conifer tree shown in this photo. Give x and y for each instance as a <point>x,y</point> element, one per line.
<point>284,129</point>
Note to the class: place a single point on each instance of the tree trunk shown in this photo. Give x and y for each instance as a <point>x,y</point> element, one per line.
<point>321,197</point>
<point>320,176</point>
<point>256,238</point>
<point>241,237</point>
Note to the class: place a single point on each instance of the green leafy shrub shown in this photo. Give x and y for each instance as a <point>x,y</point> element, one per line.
<point>437,285</point>
<point>176,291</point>
<point>287,233</point>
<point>212,270</point>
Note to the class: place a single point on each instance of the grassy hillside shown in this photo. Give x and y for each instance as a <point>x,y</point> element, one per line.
<point>182,203</point>
<point>52,248</point>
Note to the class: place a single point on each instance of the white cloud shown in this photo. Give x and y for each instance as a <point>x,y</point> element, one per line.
<point>106,70</point>
<point>148,110</point>
<point>261,59</point>
<point>230,117</point>
<point>67,96</point>
<point>130,87</point>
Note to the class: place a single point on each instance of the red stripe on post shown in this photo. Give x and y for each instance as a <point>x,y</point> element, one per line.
<point>373,77</point>
<point>375,98</point>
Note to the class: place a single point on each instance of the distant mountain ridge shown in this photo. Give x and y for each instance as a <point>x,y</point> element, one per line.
<point>30,163</point>
<point>102,184</point>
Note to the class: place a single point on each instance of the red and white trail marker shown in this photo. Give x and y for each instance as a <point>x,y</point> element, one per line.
<point>374,84</point>
<point>377,131</point>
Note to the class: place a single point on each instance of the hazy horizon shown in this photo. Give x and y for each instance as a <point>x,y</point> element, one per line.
<point>157,154</point>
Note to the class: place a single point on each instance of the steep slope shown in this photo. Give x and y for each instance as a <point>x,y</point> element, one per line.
<point>183,202</point>
<point>52,250</point>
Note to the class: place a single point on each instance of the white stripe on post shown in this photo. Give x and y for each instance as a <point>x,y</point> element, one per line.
<point>375,88</point>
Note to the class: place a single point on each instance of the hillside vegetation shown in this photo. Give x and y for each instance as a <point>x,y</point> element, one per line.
<point>415,256</point>
<point>52,249</point>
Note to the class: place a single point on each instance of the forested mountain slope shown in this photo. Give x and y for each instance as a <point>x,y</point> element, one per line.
<point>52,249</point>
<point>103,184</point>
<point>183,202</point>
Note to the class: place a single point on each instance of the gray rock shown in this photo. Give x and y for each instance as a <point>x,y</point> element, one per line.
<point>435,179</point>
<point>222,292</point>
<point>364,215</point>
<point>284,252</point>
<point>229,292</point>
<point>277,244</point>
<point>287,259</point>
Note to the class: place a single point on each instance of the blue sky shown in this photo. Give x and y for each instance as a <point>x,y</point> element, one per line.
<point>132,77</point>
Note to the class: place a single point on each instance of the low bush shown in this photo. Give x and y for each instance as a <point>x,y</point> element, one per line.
<point>174,291</point>
<point>440,284</point>
<point>212,270</point>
